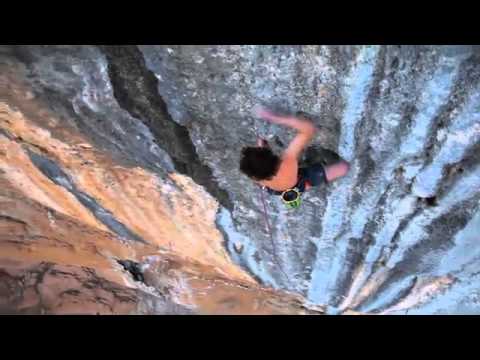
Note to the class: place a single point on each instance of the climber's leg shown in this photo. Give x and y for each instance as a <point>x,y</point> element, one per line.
<point>337,170</point>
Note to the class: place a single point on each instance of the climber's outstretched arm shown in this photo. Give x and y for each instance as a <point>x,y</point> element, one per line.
<point>306,131</point>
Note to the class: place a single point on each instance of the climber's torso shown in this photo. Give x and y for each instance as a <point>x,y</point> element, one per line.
<point>286,176</point>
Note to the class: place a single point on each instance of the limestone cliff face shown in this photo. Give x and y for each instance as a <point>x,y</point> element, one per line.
<point>120,190</point>
<point>85,230</point>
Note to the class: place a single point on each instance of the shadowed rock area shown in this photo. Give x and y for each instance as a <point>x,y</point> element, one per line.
<point>120,163</point>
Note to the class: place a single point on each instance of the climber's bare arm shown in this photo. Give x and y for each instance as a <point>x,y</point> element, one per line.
<point>306,131</point>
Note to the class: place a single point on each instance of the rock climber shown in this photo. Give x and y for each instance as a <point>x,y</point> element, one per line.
<point>282,175</point>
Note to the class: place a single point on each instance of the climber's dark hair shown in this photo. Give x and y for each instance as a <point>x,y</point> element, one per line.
<point>259,163</point>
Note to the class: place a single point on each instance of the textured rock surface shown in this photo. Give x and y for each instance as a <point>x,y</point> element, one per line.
<point>85,230</point>
<point>134,131</point>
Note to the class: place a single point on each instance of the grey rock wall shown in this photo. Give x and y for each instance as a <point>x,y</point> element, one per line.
<point>399,234</point>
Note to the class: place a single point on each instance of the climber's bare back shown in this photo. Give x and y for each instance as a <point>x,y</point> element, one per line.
<point>286,176</point>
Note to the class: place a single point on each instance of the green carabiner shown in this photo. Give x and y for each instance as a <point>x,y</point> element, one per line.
<point>291,198</point>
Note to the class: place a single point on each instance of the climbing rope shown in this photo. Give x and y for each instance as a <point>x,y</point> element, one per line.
<point>262,196</point>
<point>265,215</point>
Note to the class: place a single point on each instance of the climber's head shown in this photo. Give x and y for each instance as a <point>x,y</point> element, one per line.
<point>259,163</point>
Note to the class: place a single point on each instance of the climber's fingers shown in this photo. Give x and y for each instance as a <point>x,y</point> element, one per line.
<point>264,113</point>
<point>262,142</point>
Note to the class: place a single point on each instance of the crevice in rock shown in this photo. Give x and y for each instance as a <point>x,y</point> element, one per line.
<point>52,171</point>
<point>458,97</point>
<point>133,268</point>
<point>6,134</point>
<point>431,201</point>
<point>428,201</point>
<point>454,172</point>
<point>358,247</point>
<point>10,226</point>
<point>136,89</point>
<point>365,127</point>
<point>13,220</point>
<point>383,259</point>
<point>79,285</point>
<point>441,232</point>
<point>401,295</point>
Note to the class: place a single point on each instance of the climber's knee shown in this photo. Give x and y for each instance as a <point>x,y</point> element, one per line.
<point>337,170</point>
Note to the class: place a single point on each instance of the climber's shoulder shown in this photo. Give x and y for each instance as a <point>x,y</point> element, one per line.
<point>288,160</point>
<point>286,176</point>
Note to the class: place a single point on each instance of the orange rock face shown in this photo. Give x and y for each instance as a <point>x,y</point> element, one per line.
<point>59,256</point>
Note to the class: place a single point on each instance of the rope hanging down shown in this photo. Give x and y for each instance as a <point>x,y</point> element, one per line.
<point>262,196</point>
<point>265,216</point>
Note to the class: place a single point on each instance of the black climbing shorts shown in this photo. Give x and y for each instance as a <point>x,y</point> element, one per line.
<point>314,174</point>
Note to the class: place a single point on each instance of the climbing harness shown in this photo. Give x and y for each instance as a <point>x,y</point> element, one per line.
<point>292,198</point>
